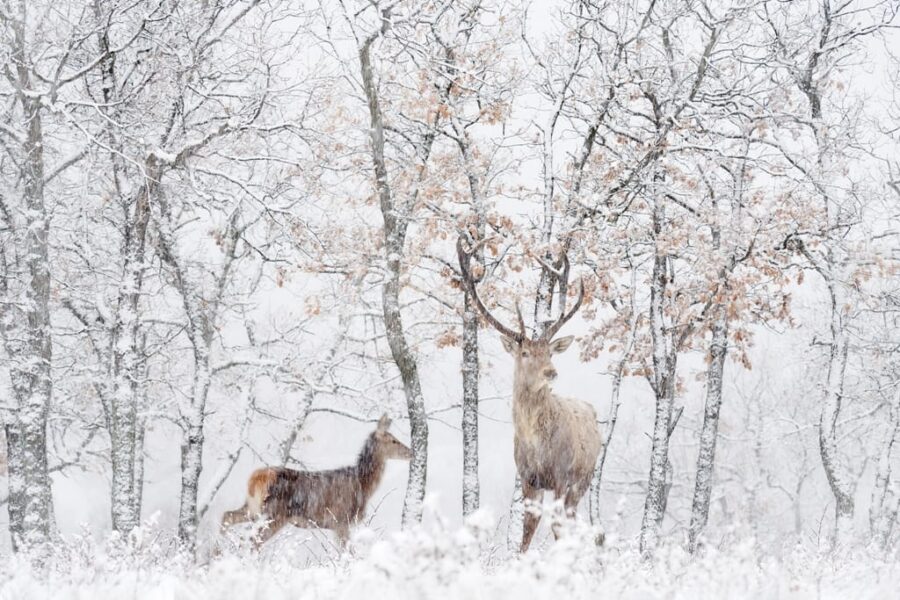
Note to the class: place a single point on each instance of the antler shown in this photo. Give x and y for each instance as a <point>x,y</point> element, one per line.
<point>556,326</point>
<point>464,258</point>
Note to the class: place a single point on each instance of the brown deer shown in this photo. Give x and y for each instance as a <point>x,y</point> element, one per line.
<point>557,439</point>
<point>334,499</point>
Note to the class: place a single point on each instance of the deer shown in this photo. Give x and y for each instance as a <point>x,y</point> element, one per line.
<point>335,499</point>
<point>557,440</point>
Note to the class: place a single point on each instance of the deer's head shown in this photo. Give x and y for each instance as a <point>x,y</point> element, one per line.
<point>533,355</point>
<point>533,359</point>
<point>388,445</point>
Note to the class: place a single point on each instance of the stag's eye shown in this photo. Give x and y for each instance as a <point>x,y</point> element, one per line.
<point>524,353</point>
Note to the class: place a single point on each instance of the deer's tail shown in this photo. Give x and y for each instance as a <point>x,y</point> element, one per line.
<point>258,488</point>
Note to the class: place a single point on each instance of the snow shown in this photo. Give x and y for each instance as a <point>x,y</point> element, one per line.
<point>437,563</point>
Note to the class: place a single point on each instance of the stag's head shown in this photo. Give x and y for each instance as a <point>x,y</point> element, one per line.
<point>533,359</point>
<point>388,445</point>
<point>533,355</point>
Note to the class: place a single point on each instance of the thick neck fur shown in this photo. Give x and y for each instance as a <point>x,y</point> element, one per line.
<point>527,392</point>
<point>370,465</point>
<point>530,405</point>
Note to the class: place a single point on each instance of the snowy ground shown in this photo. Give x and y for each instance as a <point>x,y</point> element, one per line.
<point>465,564</point>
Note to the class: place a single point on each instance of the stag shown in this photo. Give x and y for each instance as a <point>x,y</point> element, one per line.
<point>557,439</point>
<point>334,499</point>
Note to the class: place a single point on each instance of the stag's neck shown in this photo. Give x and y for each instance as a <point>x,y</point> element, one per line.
<point>370,466</point>
<point>530,405</point>
<point>528,395</point>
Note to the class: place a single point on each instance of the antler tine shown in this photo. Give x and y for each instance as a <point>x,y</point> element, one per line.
<point>521,320</point>
<point>553,329</point>
<point>464,258</point>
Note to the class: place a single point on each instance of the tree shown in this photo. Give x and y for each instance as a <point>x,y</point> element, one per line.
<point>822,38</point>
<point>395,212</point>
<point>35,84</point>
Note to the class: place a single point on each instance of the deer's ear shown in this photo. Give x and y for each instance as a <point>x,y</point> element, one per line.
<point>383,423</point>
<point>562,344</point>
<point>509,344</point>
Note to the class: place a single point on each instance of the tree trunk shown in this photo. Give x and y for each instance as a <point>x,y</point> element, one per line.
<point>415,403</point>
<point>664,392</point>
<point>192,455</point>
<point>125,360</point>
<point>127,365</point>
<point>470,351</point>
<point>883,513</point>
<point>709,433</point>
<point>838,479</point>
<point>26,316</point>
<point>395,223</point>
<point>470,494</point>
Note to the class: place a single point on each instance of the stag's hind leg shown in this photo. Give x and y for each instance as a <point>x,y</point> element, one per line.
<point>532,497</point>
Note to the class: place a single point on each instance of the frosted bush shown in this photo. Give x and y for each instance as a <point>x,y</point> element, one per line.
<point>436,562</point>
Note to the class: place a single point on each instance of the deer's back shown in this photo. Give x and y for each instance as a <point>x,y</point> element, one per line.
<point>324,498</point>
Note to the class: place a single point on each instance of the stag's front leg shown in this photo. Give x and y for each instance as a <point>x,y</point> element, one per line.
<point>574,495</point>
<point>532,498</point>
<point>570,495</point>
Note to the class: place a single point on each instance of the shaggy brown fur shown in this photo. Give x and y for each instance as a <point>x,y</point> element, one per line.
<point>334,499</point>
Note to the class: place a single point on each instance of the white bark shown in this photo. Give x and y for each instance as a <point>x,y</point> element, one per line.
<point>202,314</point>
<point>839,480</point>
<point>663,377</point>
<point>395,224</point>
<point>125,360</point>
<point>470,397</point>
<point>192,450</point>
<point>25,307</point>
<point>718,352</point>
<point>886,492</point>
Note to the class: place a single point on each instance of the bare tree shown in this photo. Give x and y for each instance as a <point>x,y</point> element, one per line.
<point>395,212</point>
<point>34,81</point>
<point>809,43</point>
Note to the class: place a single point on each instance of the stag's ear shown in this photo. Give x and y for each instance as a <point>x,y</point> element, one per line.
<point>509,344</point>
<point>383,423</point>
<point>562,344</point>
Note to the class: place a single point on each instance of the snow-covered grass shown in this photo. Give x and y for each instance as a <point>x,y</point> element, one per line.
<point>465,564</point>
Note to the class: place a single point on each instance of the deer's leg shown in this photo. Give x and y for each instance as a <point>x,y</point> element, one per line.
<point>233,517</point>
<point>343,535</point>
<point>573,497</point>
<point>264,535</point>
<point>532,498</point>
<point>570,495</point>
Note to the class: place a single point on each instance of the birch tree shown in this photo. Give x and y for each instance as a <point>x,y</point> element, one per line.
<point>34,86</point>
<point>474,90</point>
<point>113,330</point>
